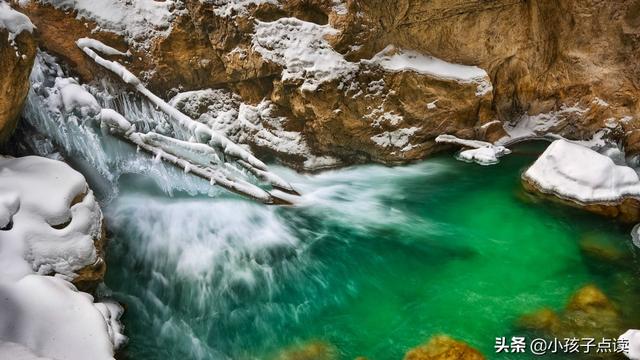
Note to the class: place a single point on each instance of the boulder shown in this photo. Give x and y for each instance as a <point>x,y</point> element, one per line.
<point>442,347</point>
<point>589,311</point>
<point>573,174</point>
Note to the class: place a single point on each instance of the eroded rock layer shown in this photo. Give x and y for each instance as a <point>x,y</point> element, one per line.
<point>17,53</point>
<point>358,81</point>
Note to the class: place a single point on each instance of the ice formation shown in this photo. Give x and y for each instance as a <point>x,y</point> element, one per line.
<point>575,172</point>
<point>49,219</point>
<point>481,152</point>
<point>169,135</point>
<point>248,124</point>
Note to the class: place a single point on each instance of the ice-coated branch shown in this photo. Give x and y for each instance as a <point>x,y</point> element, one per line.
<point>199,132</point>
<point>194,158</point>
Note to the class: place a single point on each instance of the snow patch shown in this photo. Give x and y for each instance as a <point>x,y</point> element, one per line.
<point>534,126</point>
<point>397,60</point>
<point>14,22</point>
<point>302,50</point>
<point>229,8</point>
<point>481,152</point>
<point>138,21</point>
<point>397,138</point>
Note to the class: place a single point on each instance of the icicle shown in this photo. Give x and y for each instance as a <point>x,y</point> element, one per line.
<point>199,132</point>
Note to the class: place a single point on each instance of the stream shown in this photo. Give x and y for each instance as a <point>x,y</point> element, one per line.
<point>371,262</point>
<point>375,261</point>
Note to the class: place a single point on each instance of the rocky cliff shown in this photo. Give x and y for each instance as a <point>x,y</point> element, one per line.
<point>373,80</point>
<point>17,52</point>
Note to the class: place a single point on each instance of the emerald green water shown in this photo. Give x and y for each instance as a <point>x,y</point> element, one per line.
<point>374,261</point>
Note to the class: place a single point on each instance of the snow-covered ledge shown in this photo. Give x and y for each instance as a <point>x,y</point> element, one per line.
<point>49,220</point>
<point>586,179</point>
<point>481,152</point>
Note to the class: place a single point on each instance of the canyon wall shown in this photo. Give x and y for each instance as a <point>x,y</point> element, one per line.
<point>330,67</point>
<point>17,52</point>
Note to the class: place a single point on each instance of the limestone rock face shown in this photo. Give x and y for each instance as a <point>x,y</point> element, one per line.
<point>570,66</point>
<point>442,347</point>
<point>17,53</point>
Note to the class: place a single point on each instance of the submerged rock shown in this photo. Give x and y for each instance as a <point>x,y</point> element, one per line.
<point>442,347</point>
<point>313,350</point>
<point>588,313</point>
<point>604,253</point>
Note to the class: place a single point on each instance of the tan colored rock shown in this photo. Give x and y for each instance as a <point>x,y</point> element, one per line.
<point>541,57</point>
<point>592,246</point>
<point>590,299</point>
<point>442,347</point>
<point>360,123</point>
<point>589,311</point>
<point>88,278</point>
<point>15,67</point>
<point>627,210</point>
<point>542,320</point>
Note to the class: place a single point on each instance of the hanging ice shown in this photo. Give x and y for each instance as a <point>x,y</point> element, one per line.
<point>168,135</point>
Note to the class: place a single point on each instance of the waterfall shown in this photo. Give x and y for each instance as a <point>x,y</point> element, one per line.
<point>82,138</point>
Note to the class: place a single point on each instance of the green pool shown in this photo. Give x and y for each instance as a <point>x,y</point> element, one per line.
<point>374,261</point>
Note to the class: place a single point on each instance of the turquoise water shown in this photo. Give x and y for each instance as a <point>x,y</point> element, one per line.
<point>374,261</point>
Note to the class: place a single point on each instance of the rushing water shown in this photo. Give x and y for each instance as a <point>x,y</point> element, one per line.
<point>375,261</point>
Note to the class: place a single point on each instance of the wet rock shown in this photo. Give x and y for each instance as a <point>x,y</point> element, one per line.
<point>599,250</point>
<point>588,313</point>
<point>442,347</point>
<point>542,320</point>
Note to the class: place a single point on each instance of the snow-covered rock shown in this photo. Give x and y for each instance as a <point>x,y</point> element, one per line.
<point>633,338</point>
<point>393,59</point>
<point>17,51</point>
<point>305,56</point>
<point>49,220</point>
<point>253,125</point>
<point>137,21</point>
<point>14,22</point>
<point>575,172</point>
